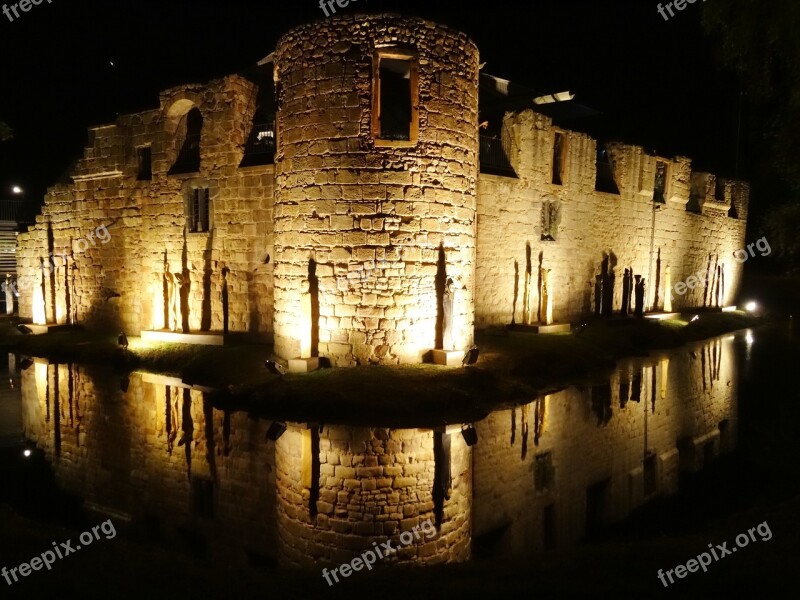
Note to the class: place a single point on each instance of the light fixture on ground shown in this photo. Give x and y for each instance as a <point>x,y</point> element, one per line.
<point>275,368</point>
<point>694,318</point>
<point>276,430</point>
<point>27,453</point>
<point>469,434</point>
<point>751,306</point>
<point>471,357</point>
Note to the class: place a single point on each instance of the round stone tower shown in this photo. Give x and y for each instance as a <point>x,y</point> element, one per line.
<point>376,172</point>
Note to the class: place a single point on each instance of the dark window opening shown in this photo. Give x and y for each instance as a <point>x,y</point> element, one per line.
<point>395,99</point>
<point>494,156</point>
<point>144,168</point>
<point>203,498</point>
<point>596,506</point>
<point>259,149</point>
<point>604,181</point>
<point>719,190</point>
<point>544,472</point>
<point>558,158</point>
<point>199,205</point>
<point>649,467</point>
<point>188,160</point>
<point>660,185</point>
<point>395,87</point>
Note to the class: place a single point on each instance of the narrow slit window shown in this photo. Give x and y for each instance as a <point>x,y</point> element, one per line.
<point>199,206</point>
<point>144,158</point>
<point>395,112</point>
<point>660,185</point>
<point>558,158</point>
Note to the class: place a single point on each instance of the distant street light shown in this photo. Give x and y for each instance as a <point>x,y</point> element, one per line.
<point>16,190</point>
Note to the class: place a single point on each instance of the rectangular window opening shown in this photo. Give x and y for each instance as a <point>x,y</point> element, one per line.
<point>558,158</point>
<point>660,184</point>
<point>199,209</point>
<point>544,472</point>
<point>395,112</point>
<point>604,179</point>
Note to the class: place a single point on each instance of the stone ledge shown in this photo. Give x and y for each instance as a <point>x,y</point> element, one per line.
<point>173,337</point>
<point>448,358</point>
<point>554,328</point>
<point>303,365</point>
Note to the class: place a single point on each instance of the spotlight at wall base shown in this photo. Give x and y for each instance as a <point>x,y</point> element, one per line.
<point>751,306</point>
<point>276,430</point>
<point>469,434</point>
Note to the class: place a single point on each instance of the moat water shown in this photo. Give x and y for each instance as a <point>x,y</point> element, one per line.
<point>167,466</point>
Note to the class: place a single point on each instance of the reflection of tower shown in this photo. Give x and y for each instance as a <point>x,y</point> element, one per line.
<point>442,474</point>
<point>350,184</point>
<point>540,407</point>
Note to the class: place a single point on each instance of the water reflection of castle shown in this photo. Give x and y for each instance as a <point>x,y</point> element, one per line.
<point>541,475</point>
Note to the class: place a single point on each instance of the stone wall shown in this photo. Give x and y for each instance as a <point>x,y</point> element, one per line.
<point>384,224</point>
<point>147,223</point>
<point>160,455</point>
<point>685,415</point>
<point>158,458</point>
<point>593,224</point>
<point>365,233</point>
<point>374,484</point>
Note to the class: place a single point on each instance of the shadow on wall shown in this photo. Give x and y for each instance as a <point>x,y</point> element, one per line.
<point>186,286</point>
<point>313,290</point>
<point>205,317</point>
<point>441,281</point>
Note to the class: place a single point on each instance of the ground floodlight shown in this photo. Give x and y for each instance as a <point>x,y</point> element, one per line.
<point>694,318</point>
<point>27,453</point>
<point>469,434</point>
<point>276,430</point>
<point>751,306</point>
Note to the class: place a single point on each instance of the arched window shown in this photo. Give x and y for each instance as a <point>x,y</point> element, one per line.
<point>188,140</point>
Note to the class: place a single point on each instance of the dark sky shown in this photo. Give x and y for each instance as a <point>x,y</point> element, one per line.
<point>656,81</point>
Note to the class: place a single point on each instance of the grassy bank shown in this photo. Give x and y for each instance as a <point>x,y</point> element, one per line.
<point>513,368</point>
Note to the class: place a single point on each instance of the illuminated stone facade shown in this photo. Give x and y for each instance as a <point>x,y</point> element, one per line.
<point>342,244</point>
<point>161,458</point>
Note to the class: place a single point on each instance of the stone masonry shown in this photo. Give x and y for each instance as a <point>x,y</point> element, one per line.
<point>364,231</point>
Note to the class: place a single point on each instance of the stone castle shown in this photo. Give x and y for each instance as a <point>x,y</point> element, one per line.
<point>366,194</point>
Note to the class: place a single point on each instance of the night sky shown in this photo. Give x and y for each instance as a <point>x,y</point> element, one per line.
<point>656,82</point>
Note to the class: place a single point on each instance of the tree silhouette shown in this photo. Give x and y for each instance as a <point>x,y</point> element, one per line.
<point>5,132</point>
